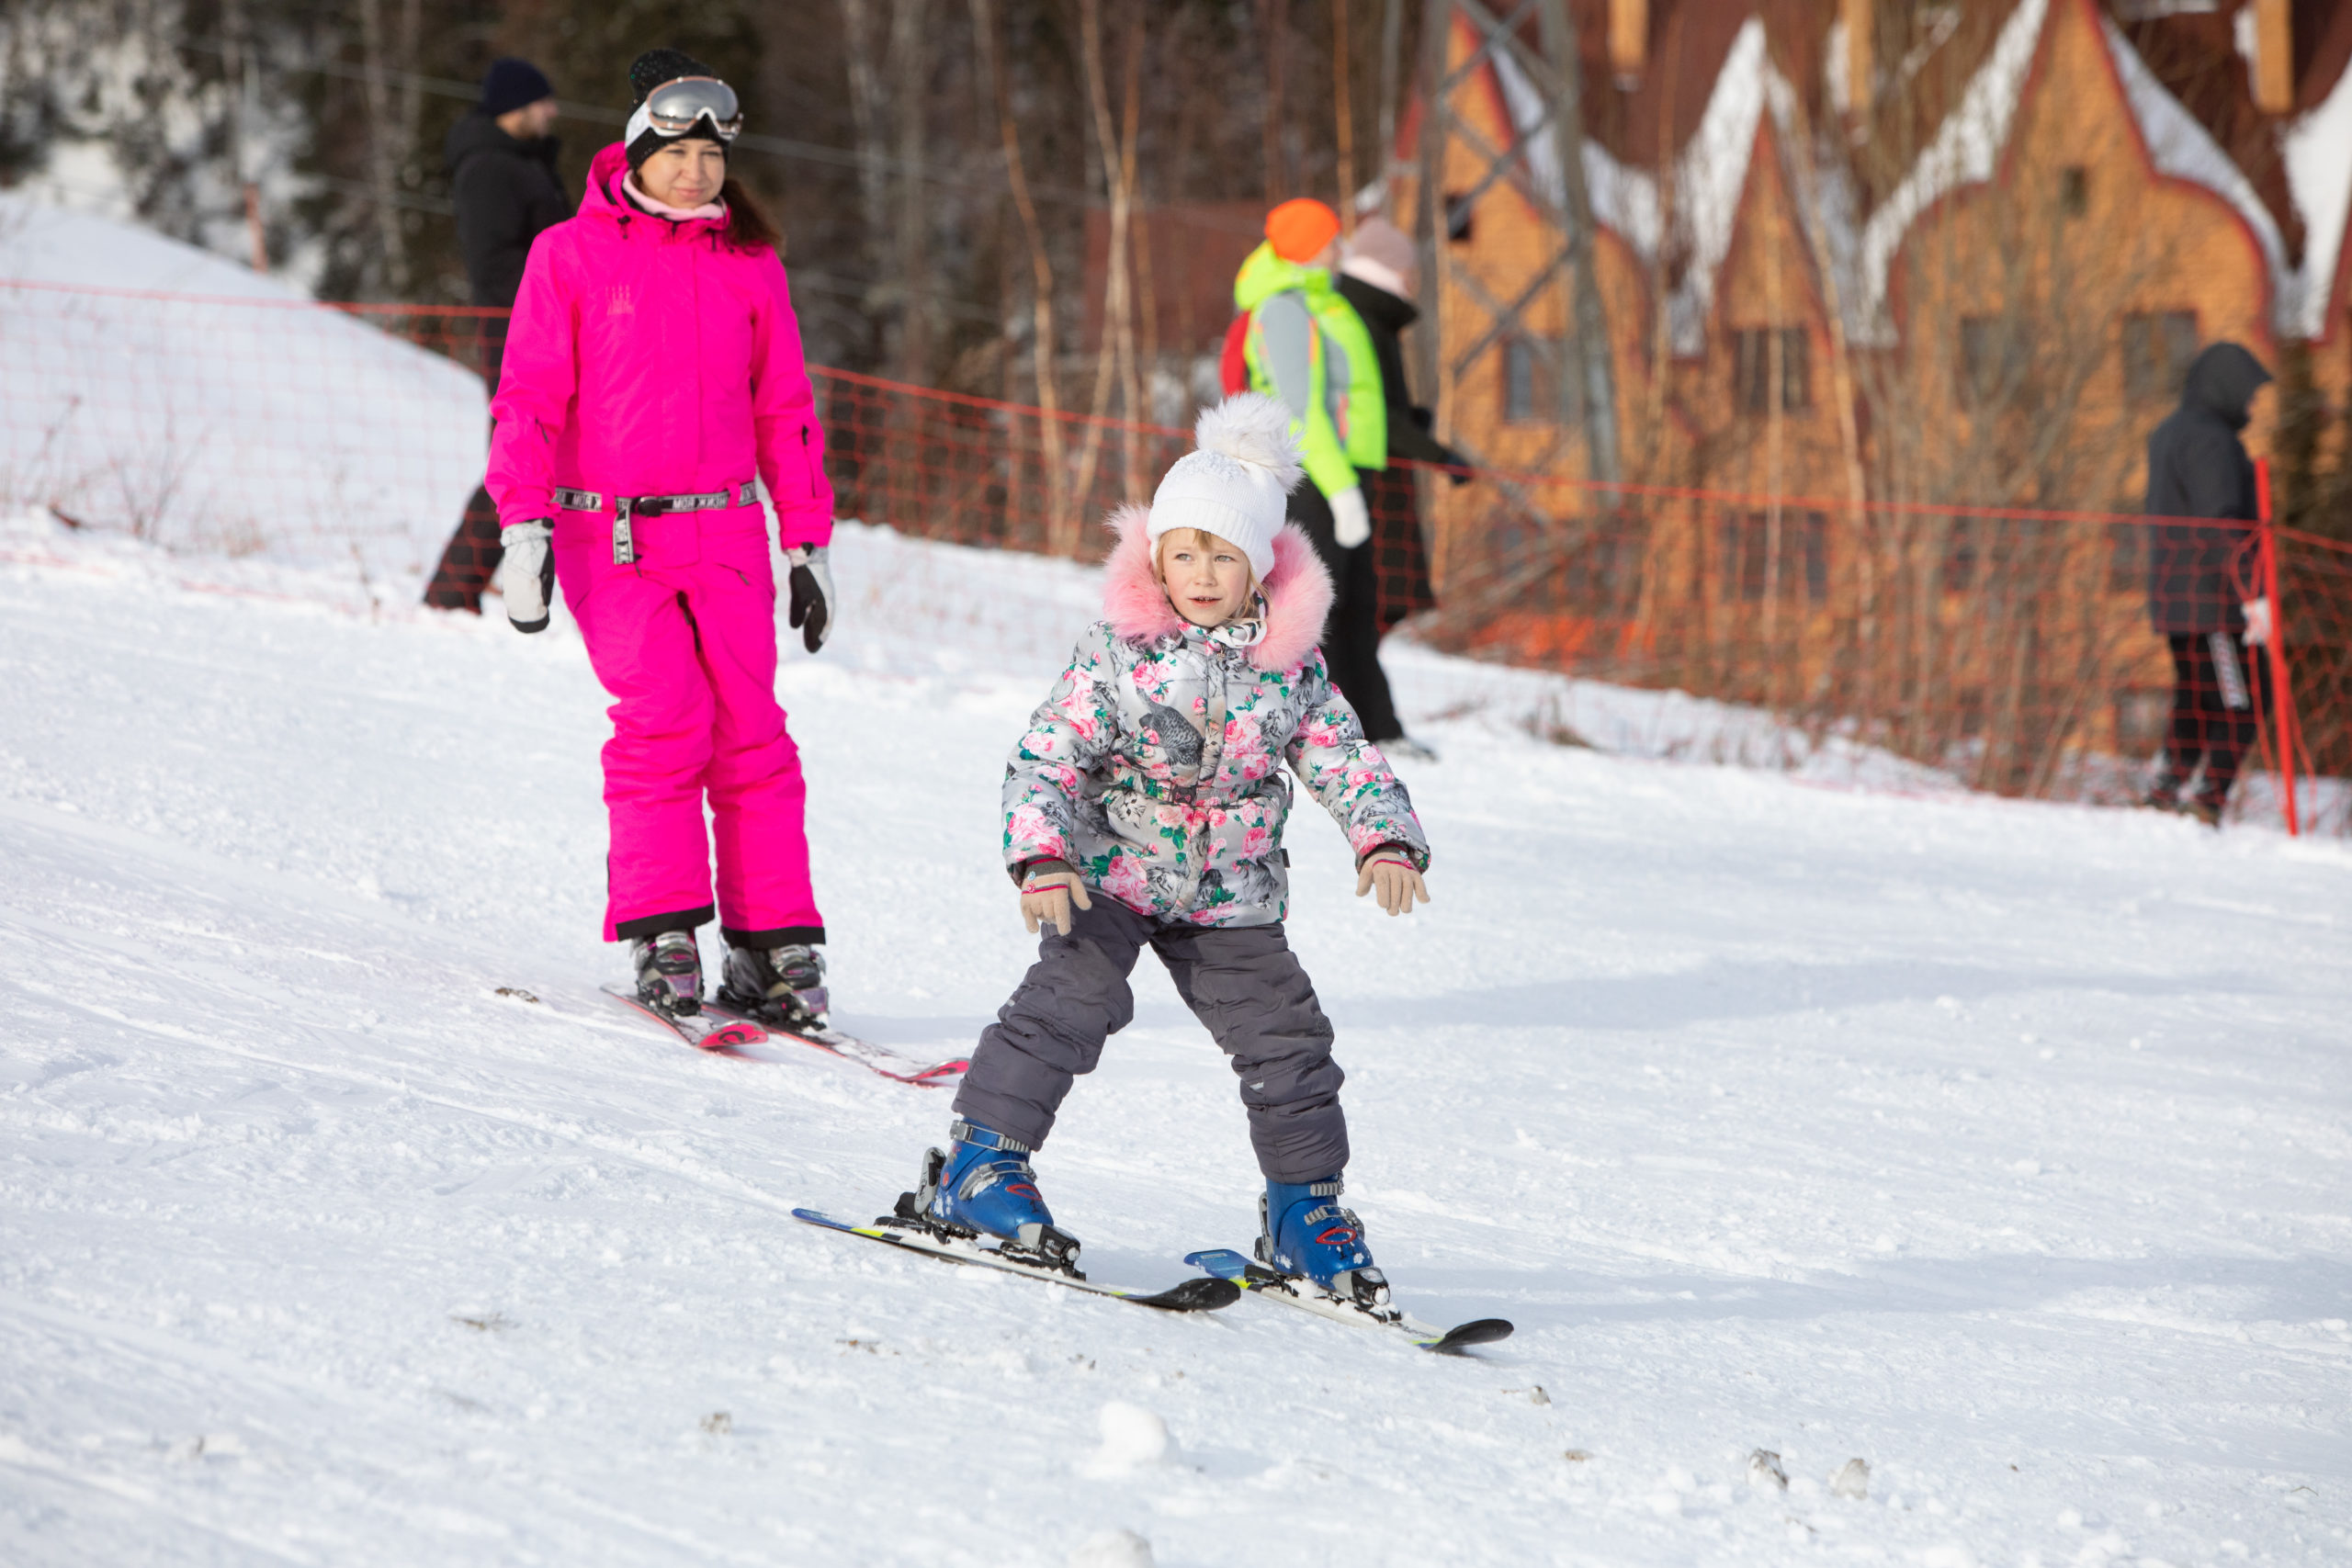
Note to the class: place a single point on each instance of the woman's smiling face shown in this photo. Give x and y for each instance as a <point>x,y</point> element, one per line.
<point>685,173</point>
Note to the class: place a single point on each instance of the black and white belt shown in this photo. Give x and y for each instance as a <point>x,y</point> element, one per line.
<point>628,506</point>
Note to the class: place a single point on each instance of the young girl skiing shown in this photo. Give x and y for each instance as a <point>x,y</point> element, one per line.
<point>653,365</point>
<point>1145,807</point>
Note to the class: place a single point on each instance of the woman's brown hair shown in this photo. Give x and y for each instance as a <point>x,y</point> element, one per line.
<point>748,228</point>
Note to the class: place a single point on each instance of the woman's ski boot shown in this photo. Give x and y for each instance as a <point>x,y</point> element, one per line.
<point>1303,1234</point>
<point>780,986</point>
<point>669,973</point>
<point>982,1185</point>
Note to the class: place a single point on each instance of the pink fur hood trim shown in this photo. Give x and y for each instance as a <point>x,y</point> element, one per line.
<point>1297,591</point>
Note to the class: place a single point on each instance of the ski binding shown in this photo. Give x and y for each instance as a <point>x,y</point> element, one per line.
<point>1246,1272</point>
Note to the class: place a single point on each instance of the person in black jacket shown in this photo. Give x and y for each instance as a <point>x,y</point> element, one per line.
<point>1377,276</point>
<point>502,177</point>
<point>2200,594</point>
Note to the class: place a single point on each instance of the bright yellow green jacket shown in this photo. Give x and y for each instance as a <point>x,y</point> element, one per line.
<point>1306,346</point>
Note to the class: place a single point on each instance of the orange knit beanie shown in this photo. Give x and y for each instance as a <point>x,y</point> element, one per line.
<point>1300,228</point>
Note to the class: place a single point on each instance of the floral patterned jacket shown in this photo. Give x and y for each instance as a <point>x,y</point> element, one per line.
<point>1155,767</point>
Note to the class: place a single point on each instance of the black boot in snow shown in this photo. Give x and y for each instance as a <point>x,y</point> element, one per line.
<point>669,972</point>
<point>2164,791</point>
<point>781,985</point>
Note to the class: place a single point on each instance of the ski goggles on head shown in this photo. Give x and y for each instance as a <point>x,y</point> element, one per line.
<point>674,108</point>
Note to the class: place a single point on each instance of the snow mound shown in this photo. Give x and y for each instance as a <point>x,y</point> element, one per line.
<point>152,388</point>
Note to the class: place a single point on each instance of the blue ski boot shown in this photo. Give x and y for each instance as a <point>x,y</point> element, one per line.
<point>1303,1234</point>
<point>983,1185</point>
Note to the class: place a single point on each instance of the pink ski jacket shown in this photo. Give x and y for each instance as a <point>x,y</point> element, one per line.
<point>646,358</point>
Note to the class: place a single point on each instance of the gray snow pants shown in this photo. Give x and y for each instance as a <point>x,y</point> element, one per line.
<point>1243,982</point>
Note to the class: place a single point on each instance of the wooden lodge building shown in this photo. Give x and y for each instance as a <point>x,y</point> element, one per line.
<point>1875,254</point>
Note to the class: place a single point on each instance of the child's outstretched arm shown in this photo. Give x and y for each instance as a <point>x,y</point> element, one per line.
<point>1353,781</point>
<point>1069,735</point>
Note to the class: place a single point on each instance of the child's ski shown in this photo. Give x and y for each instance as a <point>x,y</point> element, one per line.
<point>1198,1294</point>
<point>1225,1264</point>
<point>721,1034</point>
<point>849,1048</point>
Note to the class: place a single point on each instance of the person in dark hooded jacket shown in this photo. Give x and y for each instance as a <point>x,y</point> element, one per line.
<point>502,178</point>
<point>2198,598</point>
<point>1378,277</point>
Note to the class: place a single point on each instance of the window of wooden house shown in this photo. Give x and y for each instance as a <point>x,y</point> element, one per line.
<point>1531,381</point>
<point>1751,369</point>
<point>1962,550</point>
<point>2073,190</point>
<point>1816,556</point>
<point>2157,348</point>
<point>1745,555</point>
<point>1992,358</point>
<point>1457,217</point>
<point>1603,573</point>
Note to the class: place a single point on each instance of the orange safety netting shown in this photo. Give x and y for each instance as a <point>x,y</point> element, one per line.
<point>2010,649</point>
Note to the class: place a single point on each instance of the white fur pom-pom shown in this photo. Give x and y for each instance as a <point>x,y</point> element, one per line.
<point>1253,428</point>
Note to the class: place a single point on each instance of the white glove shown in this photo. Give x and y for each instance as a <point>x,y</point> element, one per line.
<point>526,575</point>
<point>1350,519</point>
<point>2259,625</point>
<point>812,594</point>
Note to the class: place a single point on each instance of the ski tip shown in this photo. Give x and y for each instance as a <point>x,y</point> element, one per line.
<point>1455,1340</point>
<point>1223,1262</point>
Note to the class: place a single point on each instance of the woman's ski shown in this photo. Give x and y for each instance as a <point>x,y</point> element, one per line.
<point>1198,1294</point>
<point>1222,1263</point>
<point>720,1034</point>
<point>849,1048</point>
<point>724,1031</point>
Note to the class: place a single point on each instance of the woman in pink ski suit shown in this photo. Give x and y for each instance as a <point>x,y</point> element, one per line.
<point>653,367</point>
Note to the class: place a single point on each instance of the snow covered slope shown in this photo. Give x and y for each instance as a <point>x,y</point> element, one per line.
<point>2005,1147</point>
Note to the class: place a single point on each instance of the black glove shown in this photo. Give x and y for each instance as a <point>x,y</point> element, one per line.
<point>812,594</point>
<point>1455,463</point>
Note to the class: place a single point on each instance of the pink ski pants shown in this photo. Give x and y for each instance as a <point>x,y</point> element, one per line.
<point>683,637</point>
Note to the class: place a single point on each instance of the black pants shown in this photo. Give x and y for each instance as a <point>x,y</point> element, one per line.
<point>1242,981</point>
<point>471,558</point>
<point>1351,635</point>
<point>2206,726</point>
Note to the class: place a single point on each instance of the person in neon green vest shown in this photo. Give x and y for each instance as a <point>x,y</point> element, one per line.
<point>1304,345</point>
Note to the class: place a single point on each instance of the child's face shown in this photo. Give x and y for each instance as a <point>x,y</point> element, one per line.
<point>1207,579</point>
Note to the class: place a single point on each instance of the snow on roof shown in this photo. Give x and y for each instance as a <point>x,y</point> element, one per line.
<point>2180,146</point>
<point>1968,144</point>
<point>2317,149</point>
<point>1963,152</point>
<point>1708,177</point>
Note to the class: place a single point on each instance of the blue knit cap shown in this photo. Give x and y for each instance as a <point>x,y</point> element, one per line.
<point>511,84</point>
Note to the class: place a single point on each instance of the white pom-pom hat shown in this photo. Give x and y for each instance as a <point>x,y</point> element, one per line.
<point>1237,484</point>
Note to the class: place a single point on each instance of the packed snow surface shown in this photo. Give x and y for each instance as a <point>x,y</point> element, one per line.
<point>1926,1181</point>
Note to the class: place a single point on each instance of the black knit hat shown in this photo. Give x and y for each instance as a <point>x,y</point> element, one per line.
<point>510,83</point>
<point>646,72</point>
